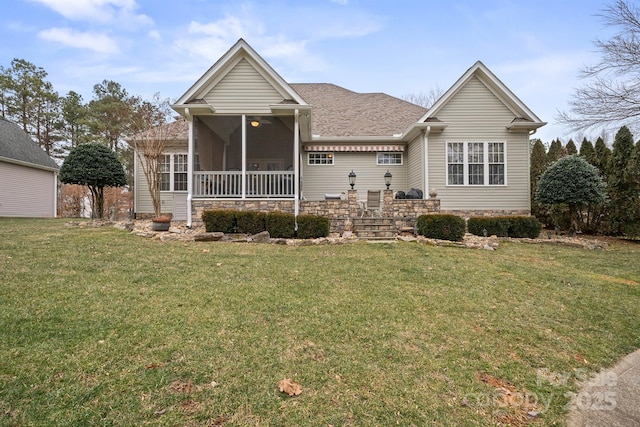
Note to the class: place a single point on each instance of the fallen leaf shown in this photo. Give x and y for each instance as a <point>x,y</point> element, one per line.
<point>290,387</point>
<point>218,264</point>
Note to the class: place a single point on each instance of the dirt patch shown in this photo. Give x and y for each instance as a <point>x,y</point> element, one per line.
<point>511,405</point>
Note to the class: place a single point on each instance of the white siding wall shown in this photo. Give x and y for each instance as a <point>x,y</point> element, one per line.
<point>319,180</point>
<point>475,114</point>
<point>26,192</point>
<point>243,90</point>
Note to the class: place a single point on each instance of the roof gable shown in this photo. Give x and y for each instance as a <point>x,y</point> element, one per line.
<point>523,115</point>
<point>16,146</point>
<point>243,66</point>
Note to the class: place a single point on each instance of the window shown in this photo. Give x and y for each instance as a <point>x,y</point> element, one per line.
<point>455,163</point>
<point>475,163</point>
<point>180,172</point>
<point>173,172</point>
<point>165,173</point>
<point>320,158</point>
<point>389,159</point>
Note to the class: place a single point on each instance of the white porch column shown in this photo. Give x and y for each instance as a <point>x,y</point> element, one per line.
<point>296,167</point>
<point>190,168</point>
<point>425,157</point>
<point>244,156</point>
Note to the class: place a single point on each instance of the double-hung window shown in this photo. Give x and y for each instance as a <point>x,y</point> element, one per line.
<point>476,163</point>
<point>173,172</point>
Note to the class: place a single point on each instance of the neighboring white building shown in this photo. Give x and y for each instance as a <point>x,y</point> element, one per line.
<point>28,176</point>
<point>251,140</point>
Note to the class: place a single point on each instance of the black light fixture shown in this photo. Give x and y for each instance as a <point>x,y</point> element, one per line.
<point>387,179</point>
<point>352,178</point>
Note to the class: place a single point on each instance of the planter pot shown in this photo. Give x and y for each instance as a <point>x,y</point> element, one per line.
<point>160,226</point>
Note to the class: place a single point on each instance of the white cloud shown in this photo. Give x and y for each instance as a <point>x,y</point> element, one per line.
<point>97,42</point>
<point>101,11</point>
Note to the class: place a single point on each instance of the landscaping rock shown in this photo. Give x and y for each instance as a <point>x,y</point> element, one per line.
<point>208,237</point>
<point>262,237</point>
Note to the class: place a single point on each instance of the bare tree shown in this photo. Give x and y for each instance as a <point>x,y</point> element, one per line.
<point>612,96</point>
<point>423,99</point>
<point>152,132</point>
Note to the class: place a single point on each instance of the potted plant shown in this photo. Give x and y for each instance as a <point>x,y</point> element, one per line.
<point>160,223</point>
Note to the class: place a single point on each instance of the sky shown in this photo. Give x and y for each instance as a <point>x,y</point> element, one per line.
<point>399,47</point>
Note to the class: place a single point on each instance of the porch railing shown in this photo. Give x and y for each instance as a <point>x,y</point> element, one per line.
<point>229,184</point>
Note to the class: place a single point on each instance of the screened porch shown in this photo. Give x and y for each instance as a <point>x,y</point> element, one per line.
<point>244,157</point>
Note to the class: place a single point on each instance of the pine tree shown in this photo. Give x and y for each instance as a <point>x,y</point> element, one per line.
<point>570,148</point>
<point>603,154</point>
<point>538,164</point>
<point>623,191</point>
<point>555,151</point>
<point>588,152</point>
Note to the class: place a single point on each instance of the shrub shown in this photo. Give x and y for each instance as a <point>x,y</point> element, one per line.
<point>312,226</point>
<point>281,224</point>
<point>524,226</point>
<point>498,226</point>
<point>441,226</point>
<point>222,220</point>
<point>250,222</point>
<point>505,226</point>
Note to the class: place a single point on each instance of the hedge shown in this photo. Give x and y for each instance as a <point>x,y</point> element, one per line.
<point>278,224</point>
<point>281,225</point>
<point>223,220</point>
<point>505,226</point>
<point>251,222</point>
<point>312,226</point>
<point>441,226</point>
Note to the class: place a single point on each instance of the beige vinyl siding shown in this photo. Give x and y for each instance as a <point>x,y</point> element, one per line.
<point>475,114</point>
<point>415,165</point>
<point>143,204</point>
<point>243,90</point>
<point>319,180</point>
<point>26,191</point>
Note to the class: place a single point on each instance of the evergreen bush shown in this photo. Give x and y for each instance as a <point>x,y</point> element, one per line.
<point>312,226</point>
<point>280,224</point>
<point>495,226</point>
<point>441,226</point>
<point>222,220</point>
<point>251,222</point>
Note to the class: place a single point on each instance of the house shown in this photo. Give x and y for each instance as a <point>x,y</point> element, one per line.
<point>251,140</point>
<point>28,175</point>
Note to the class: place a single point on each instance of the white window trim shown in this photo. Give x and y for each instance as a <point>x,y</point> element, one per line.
<point>172,171</point>
<point>465,145</point>
<point>328,153</point>
<point>389,164</point>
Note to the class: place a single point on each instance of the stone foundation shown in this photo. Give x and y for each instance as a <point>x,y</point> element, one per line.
<point>340,212</point>
<point>466,214</point>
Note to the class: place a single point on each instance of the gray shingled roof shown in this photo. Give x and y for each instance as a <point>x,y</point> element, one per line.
<point>337,111</point>
<point>17,145</point>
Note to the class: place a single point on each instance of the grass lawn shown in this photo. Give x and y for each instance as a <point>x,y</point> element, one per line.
<point>100,327</point>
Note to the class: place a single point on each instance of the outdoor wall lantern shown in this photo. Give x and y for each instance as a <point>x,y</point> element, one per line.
<point>387,179</point>
<point>352,178</point>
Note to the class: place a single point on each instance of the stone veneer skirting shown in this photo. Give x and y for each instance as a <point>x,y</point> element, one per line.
<point>340,212</point>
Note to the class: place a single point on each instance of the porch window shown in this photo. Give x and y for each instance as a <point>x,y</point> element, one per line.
<point>387,158</point>
<point>476,163</point>
<point>320,158</point>
<point>173,172</point>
